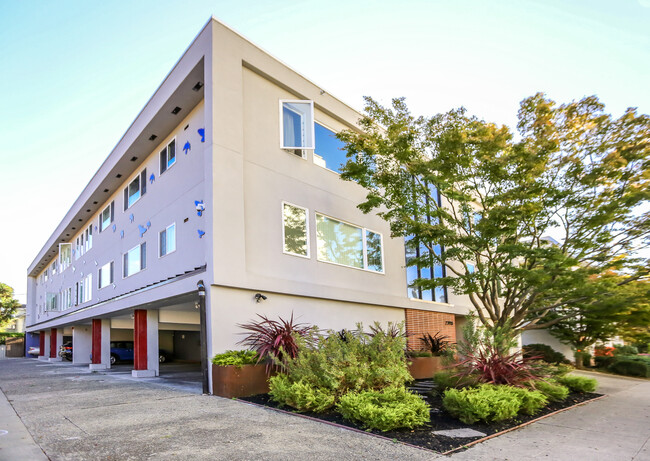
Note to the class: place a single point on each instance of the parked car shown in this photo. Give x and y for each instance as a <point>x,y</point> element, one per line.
<point>122,351</point>
<point>35,351</point>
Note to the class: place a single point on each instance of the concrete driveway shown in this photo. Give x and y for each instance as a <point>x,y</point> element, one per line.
<point>75,415</point>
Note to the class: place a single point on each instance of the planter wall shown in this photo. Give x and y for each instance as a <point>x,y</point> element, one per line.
<point>424,367</point>
<point>231,381</point>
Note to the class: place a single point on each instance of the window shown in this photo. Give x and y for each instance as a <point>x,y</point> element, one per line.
<point>136,189</point>
<point>168,156</point>
<point>135,260</point>
<point>65,255</point>
<point>87,285</point>
<point>348,245</point>
<point>89,237</point>
<point>168,240</point>
<point>55,266</point>
<point>428,269</point>
<point>66,298</point>
<point>45,274</point>
<point>297,124</point>
<point>105,275</point>
<point>107,216</point>
<point>295,231</point>
<point>51,302</point>
<point>328,151</point>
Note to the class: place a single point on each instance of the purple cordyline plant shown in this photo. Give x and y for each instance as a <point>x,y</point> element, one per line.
<point>274,338</point>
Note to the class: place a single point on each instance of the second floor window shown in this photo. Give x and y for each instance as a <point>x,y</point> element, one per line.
<point>136,189</point>
<point>168,240</point>
<point>295,230</point>
<point>105,275</point>
<point>168,156</point>
<point>135,260</point>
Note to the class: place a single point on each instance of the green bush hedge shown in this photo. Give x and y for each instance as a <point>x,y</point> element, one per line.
<point>543,352</point>
<point>625,350</point>
<point>491,403</point>
<point>551,389</point>
<point>578,383</point>
<point>300,395</point>
<point>391,408</point>
<point>604,361</point>
<point>236,358</point>
<point>630,368</point>
<point>445,380</point>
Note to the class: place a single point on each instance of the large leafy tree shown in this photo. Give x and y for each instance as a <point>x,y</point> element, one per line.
<point>492,201</point>
<point>8,304</point>
<point>611,305</point>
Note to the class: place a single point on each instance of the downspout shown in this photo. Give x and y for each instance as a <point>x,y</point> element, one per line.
<point>204,337</point>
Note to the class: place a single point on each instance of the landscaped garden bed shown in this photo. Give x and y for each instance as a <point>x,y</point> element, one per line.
<point>441,420</point>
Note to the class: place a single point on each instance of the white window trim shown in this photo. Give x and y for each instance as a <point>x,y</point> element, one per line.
<point>141,269</point>
<point>137,176</point>
<point>365,256</point>
<point>167,155</point>
<point>159,247</point>
<point>281,126</point>
<point>307,225</point>
<point>99,279</point>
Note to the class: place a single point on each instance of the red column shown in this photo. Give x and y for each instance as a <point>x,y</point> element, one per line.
<point>41,343</point>
<point>140,339</point>
<point>96,350</point>
<point>53,343</point>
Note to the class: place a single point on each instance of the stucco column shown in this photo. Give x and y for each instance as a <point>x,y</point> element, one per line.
<point>42,337</point>
<point>100,345</point>
<point>56,341</point>
<point>81,344</point>
<point>145,347</point>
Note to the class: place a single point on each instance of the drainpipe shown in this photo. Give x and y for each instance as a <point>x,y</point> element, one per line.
<point>204,337</point>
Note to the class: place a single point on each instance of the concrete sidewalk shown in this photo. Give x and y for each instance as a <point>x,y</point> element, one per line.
<point>77,415</point>
<point>16,443</point>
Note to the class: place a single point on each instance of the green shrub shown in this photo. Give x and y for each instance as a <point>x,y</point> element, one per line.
<point>299,395</point>
<point>490,403</point>
<point>604,361</point>
<point>446,380</point>
<point>630,368</point>
<point>554,391</point>
<point>236,358</point>
<point>391,408</point>
<point>578,383</point>
<point>543,352</point>
<point>620,349</point>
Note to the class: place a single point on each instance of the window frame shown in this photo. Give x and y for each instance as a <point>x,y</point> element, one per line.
<point>141,177</point>
<point>364,246</point>
<point>111,215</point>
<point>111,269</point>
<point>160,246</point>
<point>125,264</point>
<point>308,256</point>
<point>315,154</point>
<point>166,150</point>
<point>281,126</point>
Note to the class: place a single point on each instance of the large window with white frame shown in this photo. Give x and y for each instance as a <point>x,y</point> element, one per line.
<point>135,260</point>
<point>105,275</point>
<point>88,234</point>
<point>296,124</point>
<point>348,245</point>
<point>295,230</point>
<point>106,217</point>
<point>168,156</point>
<point>65,255</point>
<point>135,190</point>
<point>167,240</point>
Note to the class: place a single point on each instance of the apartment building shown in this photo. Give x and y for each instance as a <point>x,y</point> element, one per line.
<point>228,180</point>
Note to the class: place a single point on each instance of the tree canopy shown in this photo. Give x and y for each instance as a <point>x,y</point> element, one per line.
<point>492,201</point>
<point>8,304</point>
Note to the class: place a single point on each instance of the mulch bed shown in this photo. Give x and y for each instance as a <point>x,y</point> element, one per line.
<point>440,420</point>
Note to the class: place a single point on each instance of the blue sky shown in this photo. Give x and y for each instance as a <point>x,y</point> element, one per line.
<point>75,74</point>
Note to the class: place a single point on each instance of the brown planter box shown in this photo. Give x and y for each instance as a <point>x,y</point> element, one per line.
<point>424,367</point>
<point>231,381</point>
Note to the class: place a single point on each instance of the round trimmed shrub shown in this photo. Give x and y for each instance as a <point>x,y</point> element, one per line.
<point>299,394</point>
<point>578,383</point>
<point>489,402</point>
<point>554,391</point>
<point>390,408</point>
<point>630,368</point>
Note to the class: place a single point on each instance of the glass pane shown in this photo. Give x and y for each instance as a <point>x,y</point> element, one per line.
<point>339,242</point>
<point>295,230</point>
<point>105,275</point>
<point>171,238</point>
<point>106,218</point>
<point>297,125</point>
<point>133,261</point>
<point>328,153</point>
<point>134,191</point>
<point>373,249</point>
<point>163,243</point>
<point>171,153</point>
